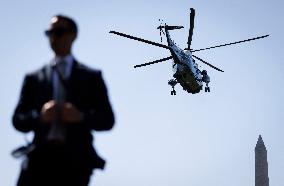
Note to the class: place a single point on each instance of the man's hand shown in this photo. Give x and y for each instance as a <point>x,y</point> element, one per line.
<point>48,112</point>
<point>70,114</point>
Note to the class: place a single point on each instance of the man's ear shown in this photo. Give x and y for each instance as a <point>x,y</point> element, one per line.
<point>74,36</point>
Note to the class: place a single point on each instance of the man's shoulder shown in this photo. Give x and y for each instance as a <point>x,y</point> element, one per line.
<point>38,73</point>
<point>87,69</point>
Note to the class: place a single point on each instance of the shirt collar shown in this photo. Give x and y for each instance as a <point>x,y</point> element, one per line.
<point>69,59</point>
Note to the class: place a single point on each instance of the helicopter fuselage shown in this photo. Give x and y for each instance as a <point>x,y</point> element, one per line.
<point>185,68</point>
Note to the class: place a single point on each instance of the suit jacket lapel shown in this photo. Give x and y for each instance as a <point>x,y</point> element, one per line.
<point>73,69</point>
<point>71,81</point>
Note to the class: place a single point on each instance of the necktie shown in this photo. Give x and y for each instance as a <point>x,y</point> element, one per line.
<point>61,78</point>
<point>57,131</point>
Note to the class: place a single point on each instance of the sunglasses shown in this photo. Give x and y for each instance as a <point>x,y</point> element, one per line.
<point>58,32</point>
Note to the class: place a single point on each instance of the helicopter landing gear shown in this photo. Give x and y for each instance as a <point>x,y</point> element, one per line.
<point>173,83</point>
<point>207,89</point>
<point>173,92</point>
<point>206,79</point>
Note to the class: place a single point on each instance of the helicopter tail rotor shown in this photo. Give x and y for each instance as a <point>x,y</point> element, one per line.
<point>161,29</point>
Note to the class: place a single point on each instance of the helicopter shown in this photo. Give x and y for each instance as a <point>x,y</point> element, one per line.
<point>186,71</point>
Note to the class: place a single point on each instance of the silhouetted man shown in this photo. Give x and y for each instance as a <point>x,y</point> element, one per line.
<point>62,103</point>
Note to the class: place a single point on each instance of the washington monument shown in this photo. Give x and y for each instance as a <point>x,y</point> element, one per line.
<point>261,165</point>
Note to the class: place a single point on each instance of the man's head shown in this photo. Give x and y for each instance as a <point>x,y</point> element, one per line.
<point>61,33</point>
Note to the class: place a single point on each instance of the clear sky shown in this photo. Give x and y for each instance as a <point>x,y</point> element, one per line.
<point>159,139</point>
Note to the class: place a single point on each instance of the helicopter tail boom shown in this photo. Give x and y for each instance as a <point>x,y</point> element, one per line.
<point>167,27</point>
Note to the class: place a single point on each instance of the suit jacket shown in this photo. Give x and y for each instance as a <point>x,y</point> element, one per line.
<point>87,91</point>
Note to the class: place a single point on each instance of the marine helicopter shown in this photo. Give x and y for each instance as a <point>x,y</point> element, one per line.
<point>185,69</point>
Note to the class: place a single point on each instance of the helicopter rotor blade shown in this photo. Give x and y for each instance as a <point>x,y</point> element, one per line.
<point>255,38</point>
<point>207,63</point>
<point>153,62</point>
<point>192,15</point>
<point>140,39</point>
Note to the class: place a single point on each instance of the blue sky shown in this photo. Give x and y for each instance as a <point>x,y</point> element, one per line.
<point>161,139</point>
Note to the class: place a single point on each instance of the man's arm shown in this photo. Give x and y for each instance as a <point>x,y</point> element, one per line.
<point>26,116</point>
<point>101,116</point>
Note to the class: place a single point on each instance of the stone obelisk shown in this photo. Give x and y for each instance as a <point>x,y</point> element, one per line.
<point>261,165</point>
